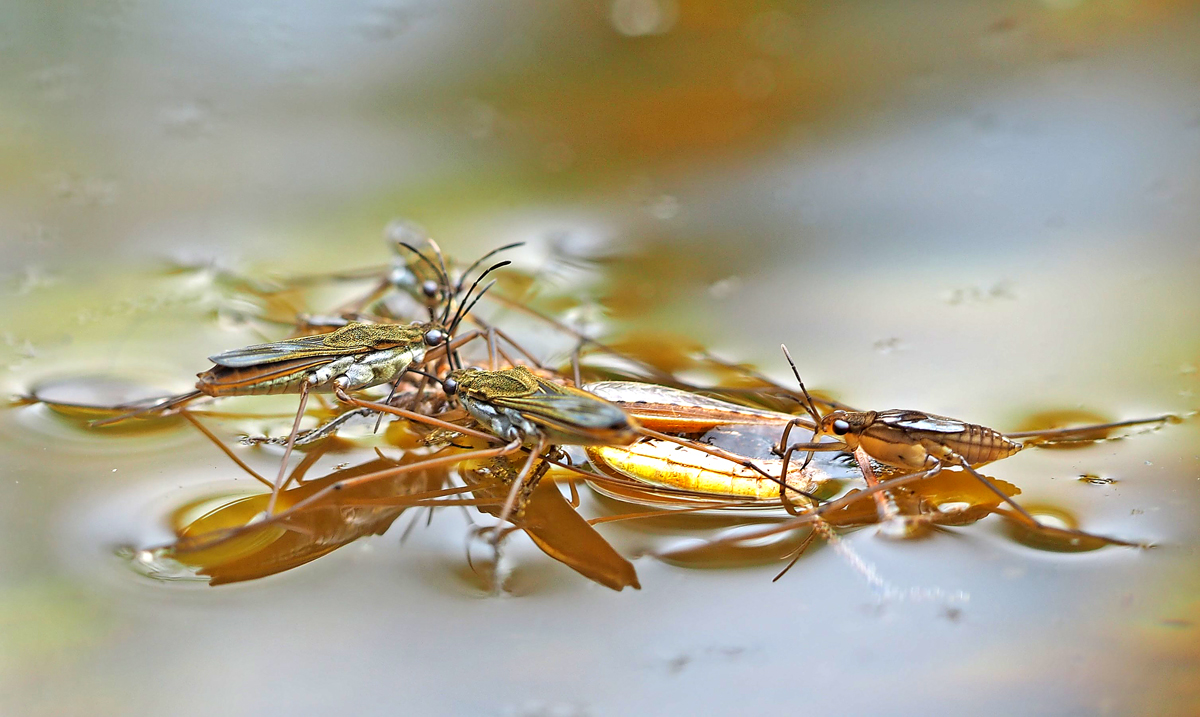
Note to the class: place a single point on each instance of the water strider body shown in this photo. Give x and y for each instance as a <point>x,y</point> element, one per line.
<point>923,443</point>
<point>517,404</point>
<point>912,439</point>
<point>353,357</point>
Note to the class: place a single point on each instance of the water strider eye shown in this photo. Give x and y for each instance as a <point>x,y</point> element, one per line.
<point>450,386</point>
<point>840,427</point>
<point>430,288</point>
<point>433,337</point>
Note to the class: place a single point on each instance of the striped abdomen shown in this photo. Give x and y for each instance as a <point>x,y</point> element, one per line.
<point>265,379</point>
<point>907,438</point>
<point>979,444</point>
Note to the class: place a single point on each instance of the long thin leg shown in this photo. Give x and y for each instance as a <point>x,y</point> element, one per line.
<point>159,406</point>
<point>575,366</point>
<point>732,457</point>
<point>787,459</point>
<point>659,513</point>
<point>574,493</point>
<point>348,483</point>
<point>655,372</point>
<point>491,344</point>
<point>1026,516</point>
<point>388,400</point>
<point>810,516</point>
<point>1080,433</point>
<point>429,420</point>
<point>884,505</point>
<point>796,555</point>
<point>224,448</point>
<point>511,501</point>
<point>287,452</point>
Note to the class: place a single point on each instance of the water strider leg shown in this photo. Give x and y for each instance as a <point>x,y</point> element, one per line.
<point>1079,433</point>
<point>160,406</point>
<point>732,457</point>
<point>281,517</point>
<point>800,550</point>
<point>885,503</point>
<point>787,459</point>
<point>1025,516</point>
<point>574,493</point>
<point>653,371</point>
<point>287,451</point>
<point>224,448</point>
<point>575,365</point>
<point>486,326</point>
<point>491,344</point>
<point>412,416</point>
<point>813,515</point>
<point>511,501</point>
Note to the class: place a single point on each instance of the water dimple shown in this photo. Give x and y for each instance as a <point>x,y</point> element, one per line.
<point>158,564</point>
<point>80,400</point>
<point>1054,534</point>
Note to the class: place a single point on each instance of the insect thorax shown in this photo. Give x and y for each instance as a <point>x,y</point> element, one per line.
<point>357,336</point>
<point>509,383</point>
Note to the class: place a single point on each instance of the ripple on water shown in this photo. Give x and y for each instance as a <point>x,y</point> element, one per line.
<point>64,408</point>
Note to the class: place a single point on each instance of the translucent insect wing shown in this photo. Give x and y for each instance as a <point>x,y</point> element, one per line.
<point>276,351</point>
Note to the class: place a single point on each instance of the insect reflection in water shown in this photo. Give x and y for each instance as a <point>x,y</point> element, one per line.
<point>353,357</point>
<point>673,449</point>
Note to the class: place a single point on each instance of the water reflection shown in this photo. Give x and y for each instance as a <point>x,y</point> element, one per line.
<point>984,211</point>
<point>227,538</point>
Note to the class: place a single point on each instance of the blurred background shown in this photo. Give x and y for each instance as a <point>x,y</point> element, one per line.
<point>984,210</point>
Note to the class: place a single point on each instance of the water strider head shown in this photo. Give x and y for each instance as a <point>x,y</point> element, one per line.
<point>846,426</point>
<point>433,282</point>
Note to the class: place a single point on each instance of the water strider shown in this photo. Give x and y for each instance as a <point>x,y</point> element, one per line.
<point>684,450</point>
<point>923,444</point>
<point>353,357</point>
<point>516,404</point>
